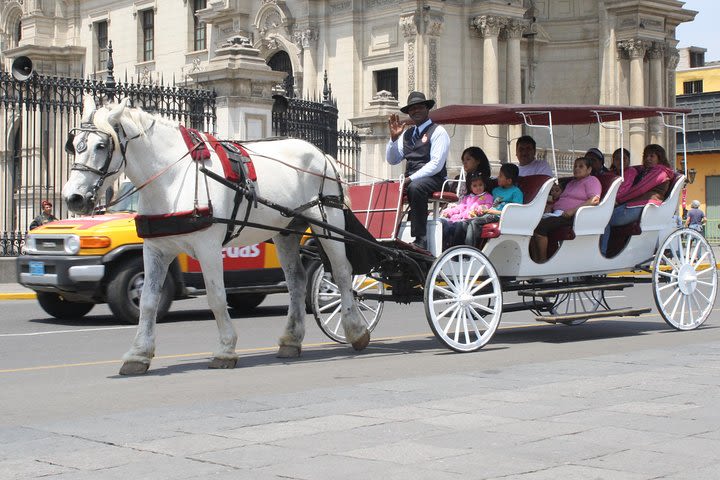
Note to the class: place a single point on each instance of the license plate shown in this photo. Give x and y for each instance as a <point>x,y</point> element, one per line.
<point>37,268</point>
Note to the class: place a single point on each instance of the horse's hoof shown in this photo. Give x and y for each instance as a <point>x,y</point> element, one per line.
<point>134,368</point>
<point>223,363</point>
<point>362,342</point>
<point>288,351</point>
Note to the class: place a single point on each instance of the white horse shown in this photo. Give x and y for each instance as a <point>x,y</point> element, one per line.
<point>152,153</point>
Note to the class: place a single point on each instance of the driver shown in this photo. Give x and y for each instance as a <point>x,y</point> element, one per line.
<point>425,147</point>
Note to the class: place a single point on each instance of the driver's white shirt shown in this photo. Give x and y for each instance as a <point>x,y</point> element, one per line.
<point>536,167</point>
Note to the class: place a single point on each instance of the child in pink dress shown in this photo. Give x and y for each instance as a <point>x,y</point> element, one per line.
<point>467,208</point>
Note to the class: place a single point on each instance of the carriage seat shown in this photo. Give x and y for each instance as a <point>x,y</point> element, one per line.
<point>531,186</point>
<point>654,217</point>
<point>589,220</point>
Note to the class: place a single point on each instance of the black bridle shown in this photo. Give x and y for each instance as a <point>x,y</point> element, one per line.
<point>107,143</point>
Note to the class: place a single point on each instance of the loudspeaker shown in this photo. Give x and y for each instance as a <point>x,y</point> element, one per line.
<point>22,68</point>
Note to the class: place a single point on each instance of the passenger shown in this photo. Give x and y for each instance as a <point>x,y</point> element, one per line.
<point>646,183</point>
<point>598,160</point>
<point>425,147</point>
<point>584,189</point>
<point>529,165</point>
<point>695,217</point>
<point>475,161</point>
<point>506,192</point>
<point>618,155</point>
<point>468,207</point>
<point>555,192</point>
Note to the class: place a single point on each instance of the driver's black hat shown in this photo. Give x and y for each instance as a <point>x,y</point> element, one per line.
<point>416,98</point>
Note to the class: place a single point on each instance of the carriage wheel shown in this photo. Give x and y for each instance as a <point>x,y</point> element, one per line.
<point>463,299</point>
<point>684,279</point>
<point>326,302</point>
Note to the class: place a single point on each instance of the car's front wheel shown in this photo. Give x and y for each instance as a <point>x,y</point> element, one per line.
<point>58,307</point>
<point>124,290</point>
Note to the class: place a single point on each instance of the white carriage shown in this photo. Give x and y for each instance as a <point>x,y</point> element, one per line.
<point>463,288</point>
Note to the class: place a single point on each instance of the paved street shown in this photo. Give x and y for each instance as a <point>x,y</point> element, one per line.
<point>614,399</point>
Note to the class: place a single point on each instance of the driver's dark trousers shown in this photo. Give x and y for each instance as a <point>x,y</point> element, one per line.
<point>419,192</point>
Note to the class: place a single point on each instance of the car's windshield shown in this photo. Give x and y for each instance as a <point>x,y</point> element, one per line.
<point>128,204</point>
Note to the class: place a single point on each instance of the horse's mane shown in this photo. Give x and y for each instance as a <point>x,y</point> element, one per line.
<point>138,116</point>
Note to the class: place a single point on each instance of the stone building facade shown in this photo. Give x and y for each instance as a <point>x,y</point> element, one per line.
<point>374,52</point>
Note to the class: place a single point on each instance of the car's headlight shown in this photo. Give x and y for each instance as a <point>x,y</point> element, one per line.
<point>30,245</point>
<point>72,245</point>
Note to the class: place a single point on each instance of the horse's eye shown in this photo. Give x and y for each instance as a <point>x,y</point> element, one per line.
<point>100,146</point>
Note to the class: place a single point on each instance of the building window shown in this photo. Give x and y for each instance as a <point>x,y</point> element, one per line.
<point>697,59</point>
<point>148,31</point>
<point>387,80</point>
<point>199,28</point>
<point>696,86</point>
<point>18,33</point>
<point>101,36</point>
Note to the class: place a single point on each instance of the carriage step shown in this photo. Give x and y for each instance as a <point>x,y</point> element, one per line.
<point>568,317</point>
<point>522,306</point>
<point>549,292</point>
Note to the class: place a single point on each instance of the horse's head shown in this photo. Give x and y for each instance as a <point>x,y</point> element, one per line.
<point>99,155</point>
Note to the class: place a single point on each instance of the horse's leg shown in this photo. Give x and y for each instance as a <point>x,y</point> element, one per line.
<point>137,360</point>
<point>356,331</point>
<point>288,251</point>
<point>211,263</point>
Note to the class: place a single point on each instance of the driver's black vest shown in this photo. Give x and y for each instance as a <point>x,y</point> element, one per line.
<point>417,153</point>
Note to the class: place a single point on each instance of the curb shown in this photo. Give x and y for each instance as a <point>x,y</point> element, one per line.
<point>18,296</point>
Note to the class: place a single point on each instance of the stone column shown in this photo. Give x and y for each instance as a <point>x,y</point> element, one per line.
<point>672,57</point>
<point>489,27</point>
<point>409,31</point>
<point>513,33</point>
<point>306,41</point>
<point>635,49</point>
<point>657,79</point>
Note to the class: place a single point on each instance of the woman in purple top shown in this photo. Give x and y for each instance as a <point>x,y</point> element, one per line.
<point>584,189</point>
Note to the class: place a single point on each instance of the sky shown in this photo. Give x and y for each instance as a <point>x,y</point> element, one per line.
<point>702,32</point>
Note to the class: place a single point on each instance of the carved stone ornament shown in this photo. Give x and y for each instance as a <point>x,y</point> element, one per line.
<point>672,59</point>
<point>407,25</point>
<point>304,38</point>
<point>411,65</point>
<point>656,51</point>
<point>273,16</point>
<point>433,68</point>
<point>489,25</point>
<point>634,48</point>
<point>434,24</point>
<point>515,28</point>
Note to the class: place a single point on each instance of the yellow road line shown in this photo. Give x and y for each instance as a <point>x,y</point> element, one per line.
<point>18,296</point>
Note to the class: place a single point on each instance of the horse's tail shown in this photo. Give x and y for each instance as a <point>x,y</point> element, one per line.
<point>341,180</point>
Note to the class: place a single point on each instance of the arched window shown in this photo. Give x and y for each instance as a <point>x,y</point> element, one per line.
<point>280,62</point>
<point>18,33</point>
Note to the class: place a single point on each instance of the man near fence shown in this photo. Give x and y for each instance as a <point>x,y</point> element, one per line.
<point>425,147</point>
<point>45,217</point>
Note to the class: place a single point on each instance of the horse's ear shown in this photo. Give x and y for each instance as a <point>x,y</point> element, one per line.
<point>117,111</point>
<point>89,108</point>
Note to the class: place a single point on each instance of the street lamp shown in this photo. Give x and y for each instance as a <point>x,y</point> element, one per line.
<point>691,175</point>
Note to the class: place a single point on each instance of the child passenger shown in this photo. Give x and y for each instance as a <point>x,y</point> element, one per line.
<point>506,192</point>
<point>583,189</point>
<point>468,207</point>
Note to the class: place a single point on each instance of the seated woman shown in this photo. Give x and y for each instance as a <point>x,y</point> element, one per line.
<point>621,155</point>
<point>643,184</point>
<point>468,207</point>
<point>506,192</point>
<point>584,189</point>
<point>473,160</point>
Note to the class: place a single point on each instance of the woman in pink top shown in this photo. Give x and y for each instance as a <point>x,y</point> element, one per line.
<point>584,189</point>
<point>467,208</point>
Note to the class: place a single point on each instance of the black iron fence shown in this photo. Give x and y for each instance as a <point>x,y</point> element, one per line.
<point>317,122</point>
<point>35,117</point>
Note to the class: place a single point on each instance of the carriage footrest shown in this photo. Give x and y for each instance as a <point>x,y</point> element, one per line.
<point>522,306</point>
<point>549,292</point>
<point>568,317</point>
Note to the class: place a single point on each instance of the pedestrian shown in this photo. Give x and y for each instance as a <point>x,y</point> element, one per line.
<point>695,217</point>
<point>45,217</point>
<point>425,147</point>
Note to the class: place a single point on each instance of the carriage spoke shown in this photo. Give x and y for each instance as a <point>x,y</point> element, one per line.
<point>700,282</point>
<point>451,321</point>
<point>330,305</point>
<point>701,259</point>
<point>704,271</point>
<point>481,318</point>
<point>668,285</point>
<point>480,286</point>
<point>444,291</point>
<point>449,283</point>
<point>669,275</point>
<point>465,325</point>
<point>675,307</point>
<point>483,307</point>
<point>673,294</point>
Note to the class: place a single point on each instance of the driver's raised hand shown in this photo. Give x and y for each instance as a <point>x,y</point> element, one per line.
<point>396,126</point>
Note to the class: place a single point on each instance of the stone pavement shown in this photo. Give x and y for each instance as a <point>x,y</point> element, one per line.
<point>649,414</point>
